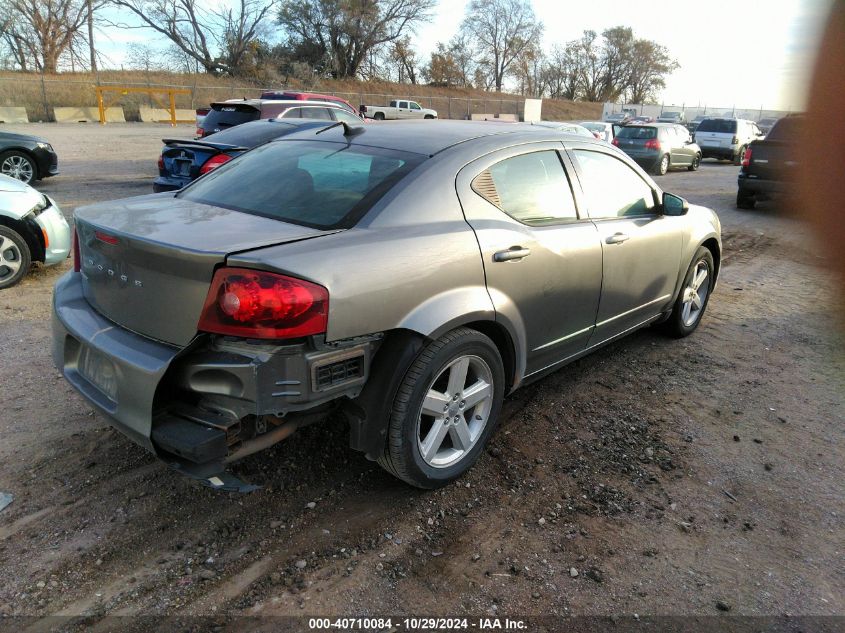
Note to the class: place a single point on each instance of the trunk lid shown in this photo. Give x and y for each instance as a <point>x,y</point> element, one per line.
<point>147,262</point>
<point>184,159</point>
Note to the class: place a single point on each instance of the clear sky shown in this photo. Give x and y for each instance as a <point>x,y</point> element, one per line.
<point>731,52</point>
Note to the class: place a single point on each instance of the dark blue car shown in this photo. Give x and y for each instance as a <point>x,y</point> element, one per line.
<point>182,162</point>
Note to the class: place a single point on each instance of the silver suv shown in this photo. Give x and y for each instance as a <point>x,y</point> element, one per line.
<point>726,139</point>
<point>409,275</point>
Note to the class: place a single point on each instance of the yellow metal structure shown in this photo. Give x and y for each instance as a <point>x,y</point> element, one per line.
<point>154,93</point>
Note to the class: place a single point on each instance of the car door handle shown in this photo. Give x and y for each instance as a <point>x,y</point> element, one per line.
<point>617,238</point>
<point>513,253</point>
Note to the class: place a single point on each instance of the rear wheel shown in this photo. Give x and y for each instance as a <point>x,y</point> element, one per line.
<point>18,165</point>
<point>745,201</point>
<point>15,257</point>
<point>696,162</point>
<point>379,116</point>
<point>695,293</point>
<point>445,410</point>
<point>662,166</point>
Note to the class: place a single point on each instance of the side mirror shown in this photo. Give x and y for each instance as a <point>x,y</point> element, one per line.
<point>674,205</point>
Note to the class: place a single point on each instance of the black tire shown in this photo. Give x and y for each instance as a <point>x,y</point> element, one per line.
<point>19,165</point>
<point>696,162</point>
<point>745,201</point>
<point>379,116</point>
<point>13,252</point>
<point>428,116</point>
<point>738,157</point>
<point>663,166</point>
<point>677,325</point>
<point>402,455</point>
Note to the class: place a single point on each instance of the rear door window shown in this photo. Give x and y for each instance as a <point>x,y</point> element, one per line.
<point>531,188</point>
<point>318,184</point>
<point>316,113</point>
<point>637,131</point>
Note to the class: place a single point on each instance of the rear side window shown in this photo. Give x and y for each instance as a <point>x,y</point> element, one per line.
<point>723,126</point>
<point>318,184</point>
<point>612,188</point>
<point>637,131</point>
<point>293,113</point>
<point>225,116</point>
<point>316,113</point>
<point>530,188</point>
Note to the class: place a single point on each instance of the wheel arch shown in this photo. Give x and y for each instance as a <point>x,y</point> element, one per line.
<point>712,245</point>
<point>32,237</point>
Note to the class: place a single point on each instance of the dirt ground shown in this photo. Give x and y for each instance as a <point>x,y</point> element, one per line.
<point>655,477</point>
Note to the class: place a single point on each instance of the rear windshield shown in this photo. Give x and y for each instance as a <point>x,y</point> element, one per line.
<point>225,116</point>
<point>253,133</point>
<point>637,131</point>
<point>786,129</point>
<point>725,126</point>
<point>318,184</point>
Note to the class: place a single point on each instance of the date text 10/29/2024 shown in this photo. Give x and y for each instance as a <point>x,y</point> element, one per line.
<point>417,624</point>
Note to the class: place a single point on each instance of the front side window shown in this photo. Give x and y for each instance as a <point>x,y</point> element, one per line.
<point>613,189</point>
<point>415,106</point>
<point>530,188</point>
<point>318,184</point>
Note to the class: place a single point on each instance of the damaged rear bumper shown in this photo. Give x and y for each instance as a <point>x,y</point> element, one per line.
<point>210,403</point>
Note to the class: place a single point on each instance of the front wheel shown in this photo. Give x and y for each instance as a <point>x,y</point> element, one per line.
<point>18,165</point>
<point>662,166</point>
<point>696,162</point>
<point>695,293</point>
<point>428,116</point>
<point>15,257</point>
<point>445,410</point>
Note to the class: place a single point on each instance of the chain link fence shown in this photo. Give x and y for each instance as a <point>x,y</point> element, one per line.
<point>41,95</point>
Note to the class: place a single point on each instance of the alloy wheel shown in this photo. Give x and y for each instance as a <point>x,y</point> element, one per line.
<point>18,167</point>
<point>10,258</point>
<point>455,411</point>
<point>695,294</point>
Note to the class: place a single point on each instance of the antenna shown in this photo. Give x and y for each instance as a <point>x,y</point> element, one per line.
<point>348,130</point>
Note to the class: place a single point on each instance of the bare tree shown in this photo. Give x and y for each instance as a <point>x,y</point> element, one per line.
<point>503,29</point>
<point>40,32</point>
<point>649,65</point>
<point>216,40</point>
<point>349,31</point>
<point>562,72</point>
<point>405,59</point>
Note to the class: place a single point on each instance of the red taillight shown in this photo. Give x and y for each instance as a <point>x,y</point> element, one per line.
<point>105,237</point>
<point>255,304</point>
<point>214,162</point>
<point>746,157</point>
<point>615,142</point>
<point>652,143</point>
<point>200,132</point>
<point>77,258</point>
<point>161,163</point>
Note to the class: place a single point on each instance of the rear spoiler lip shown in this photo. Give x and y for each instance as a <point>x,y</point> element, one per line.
<point>221,147</point>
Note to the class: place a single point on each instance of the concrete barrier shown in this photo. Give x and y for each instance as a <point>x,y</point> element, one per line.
<point>13,115</point>
<point>495,117</point>
<point>160,115</point>
<point>87,115</point>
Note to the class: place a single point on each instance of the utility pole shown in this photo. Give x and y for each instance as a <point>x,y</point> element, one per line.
<point>91,38</point>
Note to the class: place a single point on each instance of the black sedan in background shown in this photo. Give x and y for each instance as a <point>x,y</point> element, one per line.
<point>183,161</point>
<point>27,158</point>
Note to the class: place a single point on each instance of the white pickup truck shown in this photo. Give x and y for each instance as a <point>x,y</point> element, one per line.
<point>398,110</point>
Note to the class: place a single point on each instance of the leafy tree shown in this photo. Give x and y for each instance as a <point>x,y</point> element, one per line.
<point>649,66</point>
<point>350,31</point>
